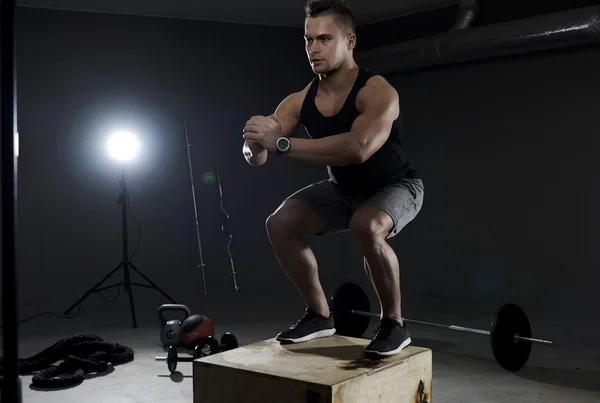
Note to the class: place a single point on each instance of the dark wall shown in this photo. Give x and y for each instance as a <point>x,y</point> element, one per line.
<point>405,28</point>
<point>507,152</point>
<point>83,75</point>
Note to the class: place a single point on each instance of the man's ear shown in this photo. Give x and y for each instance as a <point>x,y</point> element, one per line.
<point>351,41</point>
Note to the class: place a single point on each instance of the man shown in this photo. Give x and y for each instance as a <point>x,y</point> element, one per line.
<point>351,116</point>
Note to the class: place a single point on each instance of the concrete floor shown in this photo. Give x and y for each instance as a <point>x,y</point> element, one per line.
<point>464,369</point>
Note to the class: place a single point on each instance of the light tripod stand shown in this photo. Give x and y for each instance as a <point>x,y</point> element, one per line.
<point>123,200</point>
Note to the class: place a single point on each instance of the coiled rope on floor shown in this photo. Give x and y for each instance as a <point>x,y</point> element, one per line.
<point>80,355</point>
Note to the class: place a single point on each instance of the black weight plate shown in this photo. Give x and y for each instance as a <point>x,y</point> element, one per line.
<point>206,346</point>
<point>347,297</point>
<point>510,320</point>
<point>229,342</point>
<point>172,359</point>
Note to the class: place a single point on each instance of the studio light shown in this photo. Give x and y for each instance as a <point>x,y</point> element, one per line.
<point>123,146</point>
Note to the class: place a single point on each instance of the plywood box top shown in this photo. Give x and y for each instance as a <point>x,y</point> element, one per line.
<point>326,361</point>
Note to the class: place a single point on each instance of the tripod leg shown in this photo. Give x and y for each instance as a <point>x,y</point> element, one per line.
<point>152,283</point>
<point>93,289</point>
<point>129,289</point>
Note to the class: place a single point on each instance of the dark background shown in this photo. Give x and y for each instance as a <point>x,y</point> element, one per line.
<point>506,149</point>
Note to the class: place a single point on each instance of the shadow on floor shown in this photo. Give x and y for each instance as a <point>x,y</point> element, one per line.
<point>76,383</point>
<point>176,376</point>
<point>570,378</point>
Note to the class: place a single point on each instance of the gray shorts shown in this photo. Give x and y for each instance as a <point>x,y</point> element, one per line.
<point>402,201</point>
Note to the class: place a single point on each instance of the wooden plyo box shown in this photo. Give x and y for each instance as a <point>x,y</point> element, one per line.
<point>326,370</point>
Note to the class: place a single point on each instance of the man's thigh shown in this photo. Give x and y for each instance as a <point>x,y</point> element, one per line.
<point>329,204</point>
<point>402,201</point>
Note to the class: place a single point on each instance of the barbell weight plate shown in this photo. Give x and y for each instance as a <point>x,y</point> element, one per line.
<point>510,320</point>
<point>229,342</point>
<point>172,359</point>
<point>206,346</point>
<point>348,297</point>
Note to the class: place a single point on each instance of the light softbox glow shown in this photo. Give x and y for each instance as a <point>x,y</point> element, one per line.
<point>123,146</point>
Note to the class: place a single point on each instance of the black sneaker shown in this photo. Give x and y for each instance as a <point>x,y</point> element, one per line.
<point>311,326</point>
<point>390,339</point>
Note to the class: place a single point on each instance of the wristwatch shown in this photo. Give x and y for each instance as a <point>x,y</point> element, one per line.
<point>282,145</point>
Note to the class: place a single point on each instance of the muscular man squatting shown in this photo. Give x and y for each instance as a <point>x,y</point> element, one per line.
<point>352,118</point>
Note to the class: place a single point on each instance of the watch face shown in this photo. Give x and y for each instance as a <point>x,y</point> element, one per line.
<point>283,143</point>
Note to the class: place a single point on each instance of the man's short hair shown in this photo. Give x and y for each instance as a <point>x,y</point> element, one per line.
<point>339,8</point>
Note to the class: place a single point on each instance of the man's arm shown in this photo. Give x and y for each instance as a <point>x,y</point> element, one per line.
<point>378,105</point>
<point>288,115</point>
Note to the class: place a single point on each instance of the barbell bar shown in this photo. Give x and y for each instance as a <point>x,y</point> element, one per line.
<point>457,328</point>
<point>510,334</point>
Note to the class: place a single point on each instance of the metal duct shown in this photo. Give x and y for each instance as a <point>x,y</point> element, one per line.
<point>468,12</point>
<point>551,31</point>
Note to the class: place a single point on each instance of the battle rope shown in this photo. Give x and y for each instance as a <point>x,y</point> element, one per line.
<point>226,231</point>
<point>80,355</point>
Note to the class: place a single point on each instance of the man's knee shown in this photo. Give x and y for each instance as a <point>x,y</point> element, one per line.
<point>370,224</point>
<point>277,224</point>
<point>293,217</point>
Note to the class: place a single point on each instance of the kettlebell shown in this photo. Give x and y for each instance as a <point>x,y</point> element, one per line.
<point>170,331</point>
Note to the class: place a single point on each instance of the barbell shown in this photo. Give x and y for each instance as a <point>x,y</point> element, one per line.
<point>510,334</point>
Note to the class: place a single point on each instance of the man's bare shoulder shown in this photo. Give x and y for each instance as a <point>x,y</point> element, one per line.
<point>378,84</point>
<point>377,89</point>
<point>289,111</point>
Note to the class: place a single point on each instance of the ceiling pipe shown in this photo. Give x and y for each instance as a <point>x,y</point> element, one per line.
<point>469,12</point>
<point>545,32</point>
<point>420,6</point>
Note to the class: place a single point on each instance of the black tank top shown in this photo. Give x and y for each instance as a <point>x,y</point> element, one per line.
<point>385,166</point>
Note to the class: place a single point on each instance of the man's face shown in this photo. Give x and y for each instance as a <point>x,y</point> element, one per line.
<point>326,45</point>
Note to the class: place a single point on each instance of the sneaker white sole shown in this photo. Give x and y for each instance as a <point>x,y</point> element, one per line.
<point>392,352</point>
<point>316,335</point>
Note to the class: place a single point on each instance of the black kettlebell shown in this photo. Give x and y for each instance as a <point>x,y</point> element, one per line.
<point>170,331</point>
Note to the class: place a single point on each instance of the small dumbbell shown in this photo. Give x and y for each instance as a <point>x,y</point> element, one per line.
<point>172,358</point>
<point>206,346</point>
